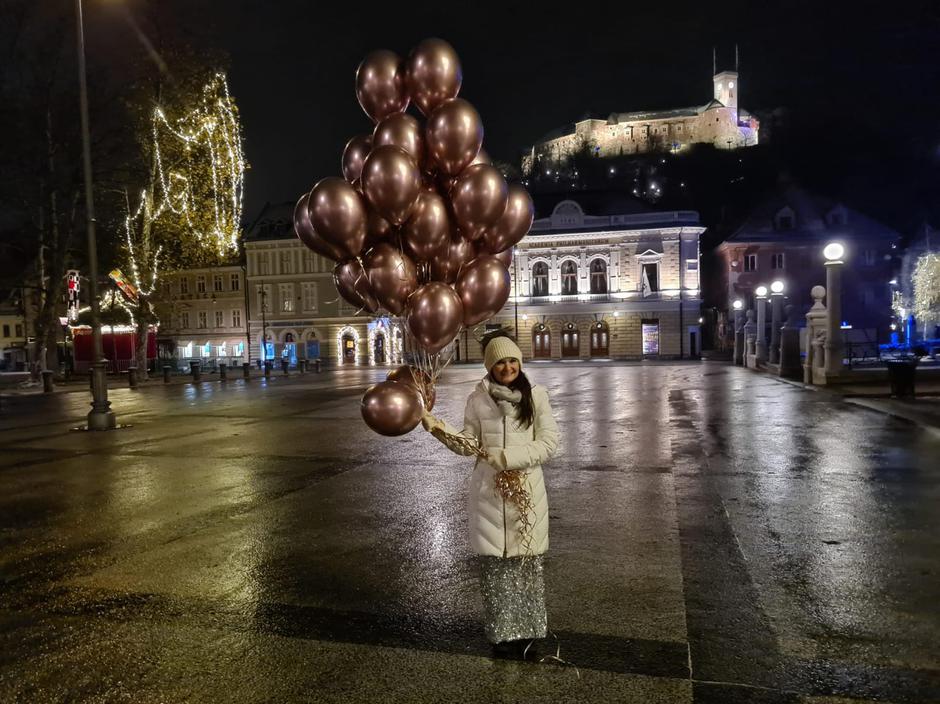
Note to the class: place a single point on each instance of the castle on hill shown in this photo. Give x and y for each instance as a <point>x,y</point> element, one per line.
<point>720,122</point>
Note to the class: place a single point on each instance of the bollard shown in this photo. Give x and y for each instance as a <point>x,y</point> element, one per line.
<point>317,364</point>
<point>47,385</point>
<point>166,373</point>
<point>223,372</point>
<point>246,370</point>
<point>132,377</point>
<point>194,367</point>
<point>302,366</point>
<point>267,369</point>
<point>284,365</point>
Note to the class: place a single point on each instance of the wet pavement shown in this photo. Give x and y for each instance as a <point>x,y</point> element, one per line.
<point>716,536</point>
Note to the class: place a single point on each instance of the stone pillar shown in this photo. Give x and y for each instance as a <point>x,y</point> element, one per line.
<point>776,319</point>
<point>47,385</point>
<point>302,366</point>
<point>834,345</point>
<point>761,344</point>
<point>246,370</point>
<point>738,337</point>
<point>223,371</point>
<point>196,369</point>
<point>815,334</point>
<point>132,377</point>
<point>166,373</point>
<point>790,345</point>
<point>318,365</point>
<point>750,340</point>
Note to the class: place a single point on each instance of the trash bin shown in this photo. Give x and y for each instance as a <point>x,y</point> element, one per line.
<point>901,373</point>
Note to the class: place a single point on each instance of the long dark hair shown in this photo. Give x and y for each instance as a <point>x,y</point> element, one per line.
<point>525,414</point>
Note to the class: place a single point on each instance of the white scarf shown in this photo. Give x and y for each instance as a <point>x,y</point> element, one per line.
<point>507,399</point>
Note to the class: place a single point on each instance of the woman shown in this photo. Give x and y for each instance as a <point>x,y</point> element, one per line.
<point>509,425</point>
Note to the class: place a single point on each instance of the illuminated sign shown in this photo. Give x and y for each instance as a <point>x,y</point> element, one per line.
<point>72,289</point>
<point>650,335</point>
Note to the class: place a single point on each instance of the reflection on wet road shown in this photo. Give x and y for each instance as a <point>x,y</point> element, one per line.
<point>716,536</point>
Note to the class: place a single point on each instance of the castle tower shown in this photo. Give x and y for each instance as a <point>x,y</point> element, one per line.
<point>726,88</point>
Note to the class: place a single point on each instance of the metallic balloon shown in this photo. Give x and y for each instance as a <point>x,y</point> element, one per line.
<point>505,256</point>
<point>308,235</point>
<point>483,287</point>
<point>454,134</point>
<point>356,151</point>
<point>392,275</point>
<point>482,158</point>
<point>377,228</point>
<point>413,376</point>
<point>514,223</point>
<point>380,84</point>
<point>391,182</point>
<point>353,285</point>
<point>428,229</point>
<point>447,264</point>
<point>434,316</point>
<point>402,130</point>
<point>338,215</point>
<point>433,74</point>
<point>392,408</point>
<point>479,197</point>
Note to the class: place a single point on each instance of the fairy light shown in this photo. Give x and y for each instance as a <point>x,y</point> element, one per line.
<point>926,277</point>
<point>347,330</point>
<point>213,127</point>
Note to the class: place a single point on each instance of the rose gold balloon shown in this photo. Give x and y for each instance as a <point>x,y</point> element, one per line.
<point>391,182</point>
<point>356,151</point>
<point>353,285</point>
<point>420,380</point>
<point>380,84</point>
<point>505,256</point>
<point>392,275</point>
<point>483,287</point>
<point>377,228</point>
<point>514,223</point>
<point>428,228</point>
<point>481,158</point>
<point>392,408</point>
<point>433,74</point>
<point>404,131</point>
<point>435,314</point>
<point>454,134</point>
<point>446,264</point>
<point>479,197</point>
<point>338,215</point>
<point>308,235</point>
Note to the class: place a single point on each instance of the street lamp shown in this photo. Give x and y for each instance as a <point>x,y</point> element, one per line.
<point>833,252</point>
<point>776,313</point>
<point>738,306</point>
<point>761,348</point>
<point>100,417</point>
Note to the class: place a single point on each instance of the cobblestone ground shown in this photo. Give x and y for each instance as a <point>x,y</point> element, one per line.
<point>716,537</point>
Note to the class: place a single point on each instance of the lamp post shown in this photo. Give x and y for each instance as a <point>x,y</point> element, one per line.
<point>776,314</point>
<point>264,325</point>
<point>738,307</point>
<point>100,417</point>
<point>761,347</point>
<point>833,253</point>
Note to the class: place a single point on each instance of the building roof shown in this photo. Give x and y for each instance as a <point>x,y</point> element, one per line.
<point>599,211</point>
<point>793,215</point>
<point>274,222</point>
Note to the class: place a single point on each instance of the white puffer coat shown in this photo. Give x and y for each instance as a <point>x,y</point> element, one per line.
<point>494,522</point>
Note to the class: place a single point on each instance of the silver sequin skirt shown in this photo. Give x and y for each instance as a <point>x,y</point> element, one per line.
<point>513,597</point>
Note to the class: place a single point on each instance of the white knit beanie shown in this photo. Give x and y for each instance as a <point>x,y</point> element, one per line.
<point>499,348</point>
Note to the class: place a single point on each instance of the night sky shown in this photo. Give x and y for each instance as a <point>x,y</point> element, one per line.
<point>860,78</point>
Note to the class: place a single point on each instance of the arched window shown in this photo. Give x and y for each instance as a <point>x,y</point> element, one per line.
<point>569,278</point>
<point>598,276</point>
<point>540,279</point>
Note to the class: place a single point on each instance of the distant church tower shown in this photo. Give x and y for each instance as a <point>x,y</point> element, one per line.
<point>726,88</point>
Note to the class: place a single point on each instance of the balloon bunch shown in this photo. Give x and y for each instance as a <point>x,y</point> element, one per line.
<point>421,225</point>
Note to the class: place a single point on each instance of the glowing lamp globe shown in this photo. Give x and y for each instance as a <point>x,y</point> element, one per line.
<point>738,304</point>
<point>761,291</point>
<point>777,287</point>
<point>833,251</point>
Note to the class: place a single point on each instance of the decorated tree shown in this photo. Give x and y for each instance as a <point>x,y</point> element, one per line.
<point>926,303</point>
<point>188,210</point>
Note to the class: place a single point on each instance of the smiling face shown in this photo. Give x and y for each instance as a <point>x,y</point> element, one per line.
<point>505,370</point>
